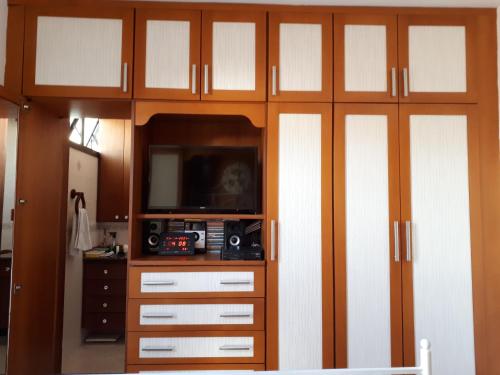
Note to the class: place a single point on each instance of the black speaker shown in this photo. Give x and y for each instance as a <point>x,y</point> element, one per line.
<point>151,234</point>
<point>234,234</point>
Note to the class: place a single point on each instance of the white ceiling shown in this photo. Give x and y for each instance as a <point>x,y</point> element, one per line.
<point>398,3</point>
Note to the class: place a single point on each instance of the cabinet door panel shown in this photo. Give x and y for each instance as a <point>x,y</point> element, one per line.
<point>436,55</point>
<point>167,54</point>
<point>299,202</point>
<point>3,39</point>
<point>439,245</point>
<point>234,46</point>
<point>365,66</point>
<point>78,52</point>
<point>367,258</point>
<point>300,57</point>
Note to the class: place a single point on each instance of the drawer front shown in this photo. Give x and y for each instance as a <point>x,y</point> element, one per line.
<point>183,347</point>
<point>104,287</point>
<point>105,270</point>
<point>196,314</point>
<point>105,303</point>
<point>178,282</point>
<point>144,369</point>
<point>104,322</point>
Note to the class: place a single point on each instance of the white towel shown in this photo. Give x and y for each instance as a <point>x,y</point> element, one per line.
<point>80,232</point>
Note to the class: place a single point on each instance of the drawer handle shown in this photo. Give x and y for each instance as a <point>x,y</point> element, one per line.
<point>105,272</point>
<point>158,348</point>
<point>235,347</point>
<point>106,287</point>
<point>235,315</point>
<point>236,282</point>
<point>105,305</point>
<point>166,282</point>
<point>152,316</point>
<point>104,321</point>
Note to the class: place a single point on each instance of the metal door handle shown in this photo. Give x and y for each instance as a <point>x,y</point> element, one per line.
<point>193,79</point>
<point>274,73</point>
<point>169,348</point>
<point>408,241</point>
<point>205,74</point>
<point>273,240</point>
<point>396,241</point>
<point>125,77</point>
<point>405,82</point>
<point>166,282</point>
<point>235,282</point>
<point>235,347</point>
<point>153,316</point>
<point>393,82</point>
<point>235,315</point>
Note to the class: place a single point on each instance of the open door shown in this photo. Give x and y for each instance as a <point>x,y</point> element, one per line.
<point>39,242</point>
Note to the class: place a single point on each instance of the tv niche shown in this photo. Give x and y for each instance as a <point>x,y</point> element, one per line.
<point>211,179</point>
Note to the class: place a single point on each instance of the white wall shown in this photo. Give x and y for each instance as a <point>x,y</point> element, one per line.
<point>10,183</point>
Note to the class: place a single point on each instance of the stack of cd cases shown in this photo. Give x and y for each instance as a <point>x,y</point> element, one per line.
<point>215,235</point>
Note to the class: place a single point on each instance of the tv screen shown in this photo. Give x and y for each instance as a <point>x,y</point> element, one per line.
<point>212,179</point>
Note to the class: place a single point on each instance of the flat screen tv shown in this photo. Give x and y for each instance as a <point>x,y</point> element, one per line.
<point>207,179</point>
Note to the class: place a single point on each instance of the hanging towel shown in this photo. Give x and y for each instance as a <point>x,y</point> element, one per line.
<point>80,232</point>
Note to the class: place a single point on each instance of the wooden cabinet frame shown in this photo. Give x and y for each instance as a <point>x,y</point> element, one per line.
<point>32,14</point>
<point>325,19</point>
<point>259,18</point>
<point>339,204</point>
<point>388,20</point>
<point>140,89</point>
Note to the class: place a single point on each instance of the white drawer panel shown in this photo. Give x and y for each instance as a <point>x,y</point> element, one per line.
<point>195,347</point>
<point>186,282</point>
<point>196,314</point>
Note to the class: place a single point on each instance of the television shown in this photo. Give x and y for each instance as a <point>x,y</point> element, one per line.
<point>207,179</point>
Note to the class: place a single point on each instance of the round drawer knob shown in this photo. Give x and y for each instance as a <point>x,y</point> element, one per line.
<point>7,269</point>
<point>105,272</point>
<point>104,321</point>
<point>105,305</point>
<point>117,217</point>
<point>126,217</point>
<point>106,287</point>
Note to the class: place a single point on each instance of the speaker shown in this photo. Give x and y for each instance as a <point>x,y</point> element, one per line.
<point>234,234</point>
<point>152,231</point>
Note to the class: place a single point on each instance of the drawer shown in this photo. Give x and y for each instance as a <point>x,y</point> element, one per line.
<point>195,347</point>
<point>104,287</point>
<point>104,322</point>
<point>105,270</point>
<point>196,314</point>
<point>200,367</point>
<point>104,303</point>
<point>192,282</point>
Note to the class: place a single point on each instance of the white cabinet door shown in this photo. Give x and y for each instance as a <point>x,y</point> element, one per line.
<point>79,55</point>
<point>366,58</point>
<point>233,56</point>
<point>167,54</point>
<point>300,226</point>
<point>300,61</point>
<point>3,39</point>
<point>439,247</point>
<point>436,57</point>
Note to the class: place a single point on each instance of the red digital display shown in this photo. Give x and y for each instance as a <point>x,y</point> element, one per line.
<point>177,243</point>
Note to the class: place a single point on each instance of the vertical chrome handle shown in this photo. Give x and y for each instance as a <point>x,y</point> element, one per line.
<point>408,241</point>
<point>273,240</point>
<point>125,77</point>
<point>205,74</point>
<point>405,81</point>
<point>393,82</point>
<point>274,89</point>
<point>396,241</point>
<point>193,79</point>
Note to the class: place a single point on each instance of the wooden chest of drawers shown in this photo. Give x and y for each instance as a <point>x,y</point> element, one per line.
<point>104,296</point>
<point>196,317</point>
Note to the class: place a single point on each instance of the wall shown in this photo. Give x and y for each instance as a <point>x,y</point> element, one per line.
<point>9,183</point>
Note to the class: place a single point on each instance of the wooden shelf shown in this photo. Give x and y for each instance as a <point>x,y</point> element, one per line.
<point>200,216</point>
<point>209,259</point>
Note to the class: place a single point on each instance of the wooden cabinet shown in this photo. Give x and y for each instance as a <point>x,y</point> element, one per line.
<point>407,256</point>
<point>232,61</point>
<point>167,54</point>
<point>300,57</point>
<point>299,241</point>
<point>78,52</point>
<point>366,59</point>
<point>5,273</point>
<point>114,170</point>
<point>405,58</point>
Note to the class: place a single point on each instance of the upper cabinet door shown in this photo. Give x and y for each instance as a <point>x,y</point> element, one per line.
<point>366,61</point>
<point>167,54</point>
<point>436,57</point>
<point>78,52</point>
<point>233,56</point>
<point>300,57</point>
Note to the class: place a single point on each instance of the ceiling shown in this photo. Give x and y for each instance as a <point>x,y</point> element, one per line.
<point>398,3</point>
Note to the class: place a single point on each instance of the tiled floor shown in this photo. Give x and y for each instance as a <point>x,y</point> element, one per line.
<point>94,358</point>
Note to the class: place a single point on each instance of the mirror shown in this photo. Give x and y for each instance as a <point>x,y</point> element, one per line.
<point>8,159</point>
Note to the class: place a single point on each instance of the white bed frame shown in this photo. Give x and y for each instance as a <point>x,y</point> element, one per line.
<point>423,369</point>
